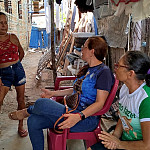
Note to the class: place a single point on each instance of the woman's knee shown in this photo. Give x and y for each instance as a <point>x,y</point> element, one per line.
<point>43,103</point>
<point>40,103</point>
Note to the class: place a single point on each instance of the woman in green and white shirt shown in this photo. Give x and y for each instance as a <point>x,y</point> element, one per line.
<point>133,128</point>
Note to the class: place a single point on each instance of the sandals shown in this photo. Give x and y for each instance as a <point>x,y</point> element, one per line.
<point>22,133</point>
<point>18,115</point>
<point>14,116</point>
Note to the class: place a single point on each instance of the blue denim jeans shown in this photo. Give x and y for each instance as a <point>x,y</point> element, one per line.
<point>43,115</point>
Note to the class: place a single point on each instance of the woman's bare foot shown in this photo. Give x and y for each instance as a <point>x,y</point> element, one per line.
<point>19,115</point>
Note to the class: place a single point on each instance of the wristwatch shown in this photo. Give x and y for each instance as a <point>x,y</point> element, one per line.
<point>82,115</point>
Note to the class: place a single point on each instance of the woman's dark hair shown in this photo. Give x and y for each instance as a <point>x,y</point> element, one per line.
<point>140,63</point>
<point>100,51</point>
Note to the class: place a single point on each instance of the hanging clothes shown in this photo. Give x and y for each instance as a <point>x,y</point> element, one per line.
<point>83,7</point>
<point>47,16</point>
<point>136,35</point>
<point>73,19</point>
<point>117,2</point>
<point>123,7</point>
<point>141,10</point>
<point>113,29</point>
<point>58,1</point>
<point>102,9</point>
<point>57,17</point>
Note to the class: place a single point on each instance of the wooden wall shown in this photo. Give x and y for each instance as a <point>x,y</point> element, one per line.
<point>114,55</point>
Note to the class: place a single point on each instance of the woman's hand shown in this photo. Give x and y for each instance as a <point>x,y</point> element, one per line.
<point>110,145</point>
<point>71,120</point>
<point>109,141</point>
<point>46,93</point>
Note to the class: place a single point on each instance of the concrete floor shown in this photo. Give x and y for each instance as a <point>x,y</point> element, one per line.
<point>10,140</point>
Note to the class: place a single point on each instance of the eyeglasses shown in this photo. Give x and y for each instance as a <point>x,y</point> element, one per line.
<point>118,66</point>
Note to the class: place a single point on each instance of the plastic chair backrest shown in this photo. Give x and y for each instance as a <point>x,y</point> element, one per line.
<point>57,86</point>
<point>109,100</point>
<point>62,78</point>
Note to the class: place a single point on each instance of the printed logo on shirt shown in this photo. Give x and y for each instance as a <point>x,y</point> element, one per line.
<point>126,111</point>
<point>130,124</point>
<point>128,129</point>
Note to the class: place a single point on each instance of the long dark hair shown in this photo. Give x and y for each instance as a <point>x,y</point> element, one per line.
<point>82,71</point>
<point>140,63</point>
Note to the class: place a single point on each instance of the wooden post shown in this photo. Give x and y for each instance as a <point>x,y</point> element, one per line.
<point>52,40</point>
<point>129,33</point>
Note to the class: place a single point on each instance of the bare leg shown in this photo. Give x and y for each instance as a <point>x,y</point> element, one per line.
<point>4,90</point>
<point>21,104</point>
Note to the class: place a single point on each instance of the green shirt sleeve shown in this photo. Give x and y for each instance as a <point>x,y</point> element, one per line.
<point>144,110</point>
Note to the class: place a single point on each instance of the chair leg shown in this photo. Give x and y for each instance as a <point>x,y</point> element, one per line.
<point>56,141</point>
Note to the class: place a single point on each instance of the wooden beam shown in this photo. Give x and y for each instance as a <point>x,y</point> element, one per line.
<point>52,41</point>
